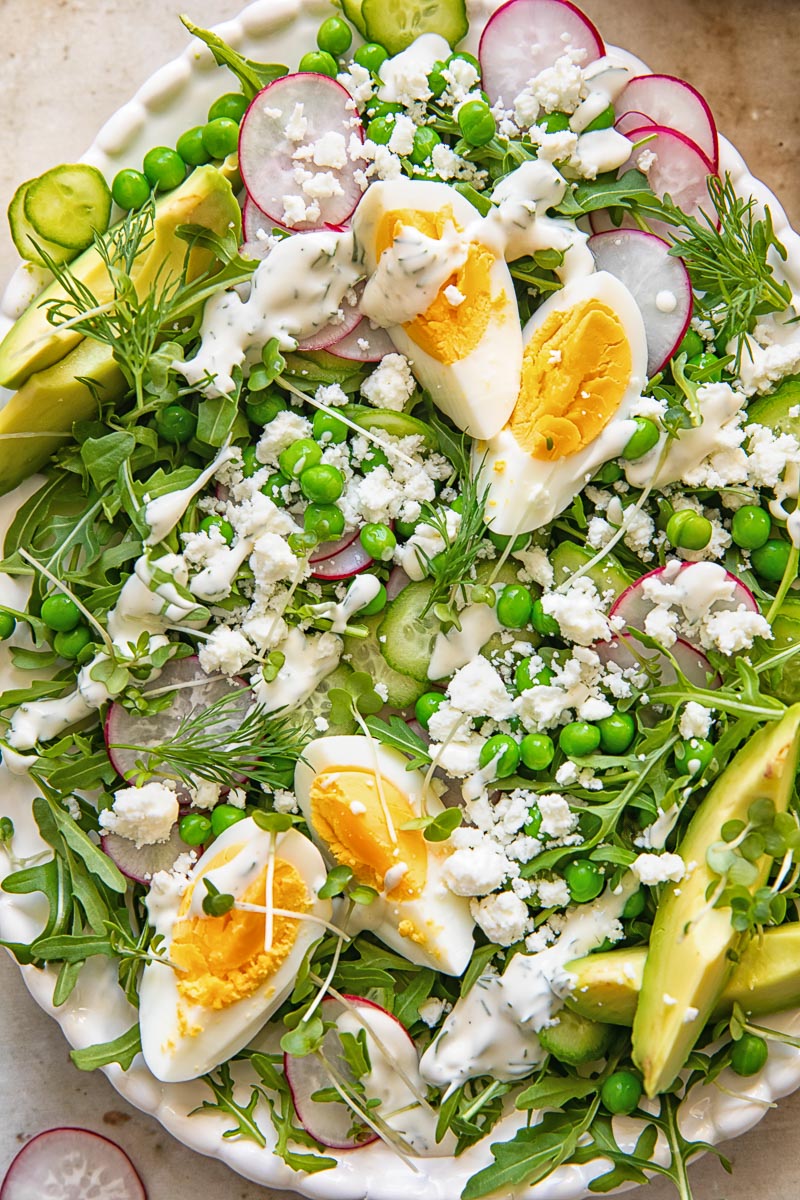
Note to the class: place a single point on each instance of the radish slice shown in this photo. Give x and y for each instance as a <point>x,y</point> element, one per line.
<point>658,282</point>
<point>525,37</point>
<point>195,691</point>
<point>700,587</point>
<point>364,344</point>
<point>349,561</point>
<point>287,121</point>
<point>256,224</point>
<point>626,652</point>
<point>71,1164</point>
<point>327,550</point>
<point>141,865</point>
<point>673,103</point>
<point>632,120</point>
<point>396,582</point>
<point>334,332</point>
<point>330,1122</point>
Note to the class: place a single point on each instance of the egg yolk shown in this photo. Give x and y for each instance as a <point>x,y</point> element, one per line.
<point>575,370</point>
<point>445,331</point>
<point>222,959</point>
<point>347,812</point>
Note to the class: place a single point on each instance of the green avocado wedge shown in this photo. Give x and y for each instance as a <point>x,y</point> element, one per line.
<point>205,198</point>
<point>688,963</point>
<point>766,979</point>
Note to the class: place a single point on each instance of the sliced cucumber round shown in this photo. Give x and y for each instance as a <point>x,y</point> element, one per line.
<point>408,632</point>
<point>366,654</point>
<point>318,706</point>
<point>352,10</point>
<point>608,576</point>
<point>27,241</point>
<point>396,424</point>
<point>69,204</point>
<point>395,24</point>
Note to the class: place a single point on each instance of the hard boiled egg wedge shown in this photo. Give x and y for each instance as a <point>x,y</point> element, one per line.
<point>584,365</point>
<point>445,297</point>
<point>222,976</point>
<point>357,796</point>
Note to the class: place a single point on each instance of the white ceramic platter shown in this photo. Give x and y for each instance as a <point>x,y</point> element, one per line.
<point>174,98</point>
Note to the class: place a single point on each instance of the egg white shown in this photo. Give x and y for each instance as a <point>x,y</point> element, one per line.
<point>526,493</point>
<point>477,392</point>
<point>182,1040</point>
<point>441,920</point>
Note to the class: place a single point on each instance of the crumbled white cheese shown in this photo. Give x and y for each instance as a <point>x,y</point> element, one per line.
<point>475,870</point>
<point>402,140</point>
<point>695,721</point>
<point>579,612</point>
<point>504,918</point>
<point>226,650</point>
<point>432,1010</point>
<point>145,815</point>
<point>390,384</point>
<point>553,893</point>
<point>478,690</point>
<point>557,818</point>
<point>285,429</point>
<point>205,793</point>
<point>730,632</point>
<point>651,869</point>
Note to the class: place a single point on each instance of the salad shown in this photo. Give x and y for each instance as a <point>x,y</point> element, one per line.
<point>408,683</point>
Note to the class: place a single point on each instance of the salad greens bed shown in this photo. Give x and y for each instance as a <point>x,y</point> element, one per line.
<point>662,734</point>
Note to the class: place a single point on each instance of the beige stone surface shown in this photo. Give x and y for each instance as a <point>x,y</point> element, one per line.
<point>65,66</point>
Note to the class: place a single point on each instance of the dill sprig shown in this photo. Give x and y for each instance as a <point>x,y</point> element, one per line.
<point>730,254</point>
<point>207,746</point>
<point>450,569</point>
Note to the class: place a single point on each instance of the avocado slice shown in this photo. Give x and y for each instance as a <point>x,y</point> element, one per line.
<point>775,411</point>
<point>205,198</point>
<point>766,979</point>
<point>688,962</point>
<point>784,679</point>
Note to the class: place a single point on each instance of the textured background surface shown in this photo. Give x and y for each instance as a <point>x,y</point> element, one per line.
<point>67,66</point>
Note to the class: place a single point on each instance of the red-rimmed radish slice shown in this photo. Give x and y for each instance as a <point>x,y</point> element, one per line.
<point>626,652</point>
<point>334,332</point>
<point>71,1164</point>
<point>673,103</point>
<point>349,561</point>
<point>525,37</point>
<point>632,120</point>
<point>294,115</point>
<point>396,582</point>
<point>256,225</point>
<point>365,343</point>
<point>142,864</point>
<point>658,282</point>
<point>698,588</point>
<point>194,692</point>
<point>326,550</point>
<point>331,1122</point>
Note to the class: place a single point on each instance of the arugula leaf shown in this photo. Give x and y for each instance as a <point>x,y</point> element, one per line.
<point>252,76</point>
<point>122,1050</point>
<point>408,1000</point>
<point>104,456</point>
<point>399,736</point>
<point>225,1102</point>
<point>554,1092</point>
<point>532,1154</point>
<point>215,419</point>
<point>615,193</point>
<point>481,957</point>
<point>49,815</point>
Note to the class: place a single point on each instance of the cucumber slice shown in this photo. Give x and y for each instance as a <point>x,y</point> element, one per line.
<point>69,204</point>
<point>25,237</point>
<point>396,23</point>
<point>608,576</point>
<point>396,424</point>
<point>318,704</point>
<point>508,573</point>
<point>407,632</point>
<point>352,10</point>
<point>576,1039</point>
<point>366,655</point>
<point>774,411</point>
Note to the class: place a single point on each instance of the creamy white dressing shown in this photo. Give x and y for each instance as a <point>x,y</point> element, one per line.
<point>416,60</point>
<point>362,591</point>
<point>297,289</point>
<point>309,658</point>
<point>42,720</point>
<point>164,513</point>
<point>455,649</point>
<point>215,580</point>
<point>410,274</point>
<point>720,405</point>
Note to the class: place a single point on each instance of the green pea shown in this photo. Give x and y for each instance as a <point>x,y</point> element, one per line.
<point>617,731</point>
<point>542,622</point>
<point>603,120</point>
<point>60,613</point>
<point>579,738</point>
<point>232,106</point>
<point>537,751</point>
<point>221,137</point>
<point>378,541</point>
<point>319,62</point>
<point>298,457</point>
<point>610,472</point>
<point>274,486</point>
<point>425,140</point>
<point>303,544</point>
<point>250,463</point>
<point>514,606</point>
<point>621,1092</point>
<point>371,56</point>
<point>374,457</point>
<point>689,530</point>
<point>476,122</point>
<point>164,168</point>
<point>70,643</point>
<point>436,80</point>
<point>382,108</point>
<point>7,625</point>
<point>217,522</point>
<point>191,148</point>
<point>225,815</point>
<point>692,757</point>
<point>329,430</point>
<point>554,122</point>
<point>426,706</point>
<point>322,483</point>
<point>334,36</point>
<point>771,559</point>
<point>405,529</point>
<point>692,344</point>
<point>634,905</point>
<point>483,594</point>
<point>501,540</point>
<point>175,423</point>
<point>750,527</point>
<point>643,440</point>
<point>465,56</point>
<point>524,677</point>
<point>584,880</point>
<point>503,748</point>
<point>380,130</point>
<point>130,189</point>
<point>749,1054</point>
<point>325,521</point>
<point>194,829</point>
<point>377,604</point>
<point>705,363</point>
<point>263,407</point>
